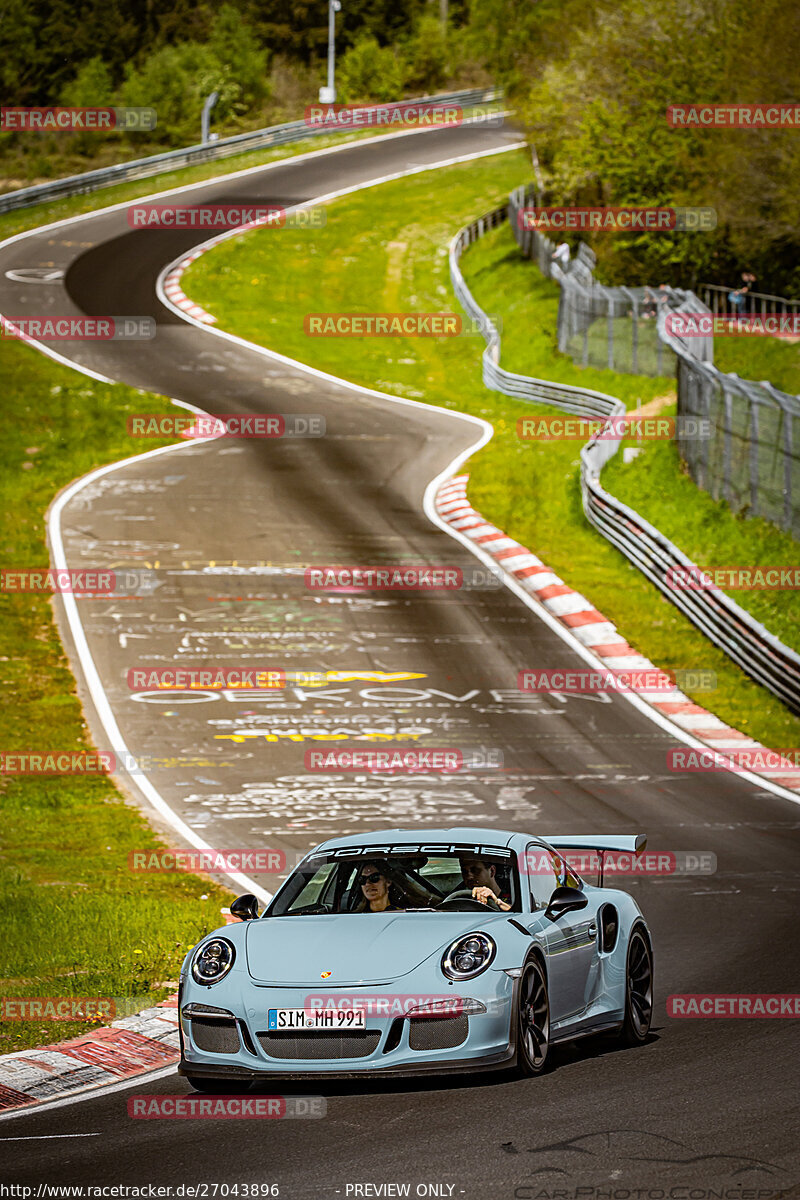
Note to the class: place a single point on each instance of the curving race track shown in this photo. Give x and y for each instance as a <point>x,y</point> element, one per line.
<point>706,1104</point>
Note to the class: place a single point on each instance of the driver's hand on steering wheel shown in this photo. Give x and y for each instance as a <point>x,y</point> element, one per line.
<point>485,894</point>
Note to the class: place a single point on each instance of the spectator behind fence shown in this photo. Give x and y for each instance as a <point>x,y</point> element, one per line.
<point>654,300</point>
<point>736,299</point>
<point>561,255</point>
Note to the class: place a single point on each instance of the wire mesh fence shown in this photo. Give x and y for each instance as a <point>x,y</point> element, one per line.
<point>721,619</point>
<point>750,457</point>
<point>598,326</point>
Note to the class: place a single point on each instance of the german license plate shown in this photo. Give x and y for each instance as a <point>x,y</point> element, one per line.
<point>310,1018</point>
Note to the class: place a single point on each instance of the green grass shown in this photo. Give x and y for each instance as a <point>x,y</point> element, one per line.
<point>75,921</point>
<point>657,486</point>
<point>385,250</point>
<point>760,358</point>
<point>647,348</point>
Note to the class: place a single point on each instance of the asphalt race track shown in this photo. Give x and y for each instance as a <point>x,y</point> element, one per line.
<point>706,1103</point>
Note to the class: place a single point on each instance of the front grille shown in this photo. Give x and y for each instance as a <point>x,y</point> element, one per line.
<point>354,1044</point>
<point>437,1033</point>
<point>218,1037</point>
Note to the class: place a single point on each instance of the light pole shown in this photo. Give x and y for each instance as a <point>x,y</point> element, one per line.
<point>327,95</point>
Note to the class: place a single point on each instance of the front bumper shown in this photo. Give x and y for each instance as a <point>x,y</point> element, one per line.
<point>493,1062</point>
<point>240,1046</point>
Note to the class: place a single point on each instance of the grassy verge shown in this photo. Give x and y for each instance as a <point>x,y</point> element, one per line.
<point>760,358</point>
<point>75,921</point>
<point>72,206</point>
<point>656,485</point>
<point>385,250</point>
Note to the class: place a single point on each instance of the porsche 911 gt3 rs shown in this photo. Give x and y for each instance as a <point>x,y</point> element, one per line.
<point>418,951</point>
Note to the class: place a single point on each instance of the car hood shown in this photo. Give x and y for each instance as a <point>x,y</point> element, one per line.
<point>355,947</point>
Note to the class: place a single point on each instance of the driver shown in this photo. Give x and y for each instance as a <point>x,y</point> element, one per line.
<point>480,877</point>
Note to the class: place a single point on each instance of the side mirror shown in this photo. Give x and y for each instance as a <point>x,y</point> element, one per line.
<point>245,907</point>
<point>563,900</point>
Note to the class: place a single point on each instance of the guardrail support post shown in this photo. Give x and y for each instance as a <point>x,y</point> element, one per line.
<point>205,119</point>
<point>787,472</point>
<point>754,456</point>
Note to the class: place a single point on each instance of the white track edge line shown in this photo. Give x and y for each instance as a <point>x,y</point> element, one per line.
<point>91,674</point>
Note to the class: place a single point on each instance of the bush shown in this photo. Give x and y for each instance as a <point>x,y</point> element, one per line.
<point>235,47</point>
<point>427,56</point>
<point>367,72</point>
<point>92,87</point>
<point>175,80</point>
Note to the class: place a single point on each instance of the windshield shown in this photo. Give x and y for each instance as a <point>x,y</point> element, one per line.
<point>371,883</point>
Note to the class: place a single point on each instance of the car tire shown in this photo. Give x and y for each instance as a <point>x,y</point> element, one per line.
<point>533,1020</point>
<point>220,1087</point>
<point>638,990</point>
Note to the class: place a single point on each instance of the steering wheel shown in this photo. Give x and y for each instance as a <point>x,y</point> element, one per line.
<point>465,896</point>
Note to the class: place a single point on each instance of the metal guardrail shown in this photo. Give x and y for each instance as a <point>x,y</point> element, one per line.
<point>746,641</point>
<point>580,401</point>
<point>257,139</point>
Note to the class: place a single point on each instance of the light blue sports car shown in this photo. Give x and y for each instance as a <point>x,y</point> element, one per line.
<point>418,951</point>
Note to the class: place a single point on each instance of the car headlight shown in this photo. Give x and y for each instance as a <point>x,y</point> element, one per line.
<point>212,960</point>
<point>468,955</point>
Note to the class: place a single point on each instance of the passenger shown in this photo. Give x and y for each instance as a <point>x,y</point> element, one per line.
<point>379,893</point>
<point>480,876</point>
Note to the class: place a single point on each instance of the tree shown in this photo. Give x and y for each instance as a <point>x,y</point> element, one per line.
<point>596,113</point>
<point>235,46</point>
<point>175,80</point>
<point>368,72</point>
<point>426,55</point>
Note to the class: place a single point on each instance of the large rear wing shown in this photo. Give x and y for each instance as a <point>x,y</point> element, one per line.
<point>600,844</point>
